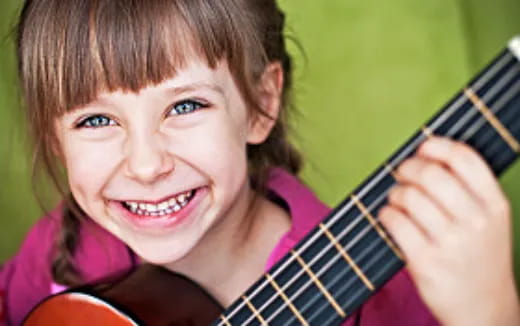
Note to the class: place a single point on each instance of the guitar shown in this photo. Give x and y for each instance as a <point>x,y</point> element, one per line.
<point>339,264</point>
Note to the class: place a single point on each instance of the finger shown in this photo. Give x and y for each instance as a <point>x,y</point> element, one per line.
<point>469,167</point>
<point>442,187</point>
<point>408,236</point>
<point>421,209</point>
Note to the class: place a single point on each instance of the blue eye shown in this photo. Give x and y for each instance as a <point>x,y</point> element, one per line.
<point>187,106</point>
<point>96,121</point>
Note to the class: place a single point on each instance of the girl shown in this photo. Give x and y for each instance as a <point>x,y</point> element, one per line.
<point>170,120</point>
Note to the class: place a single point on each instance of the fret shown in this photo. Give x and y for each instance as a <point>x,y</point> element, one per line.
<point>427,131</point>
<point>498,98</point>
<point>318,283</point>
<point>384,264</point>
<point>347,258</point>
<point>225,320</point>
<point>390,170</point>
<point>348,232</point>
<point>240,313</point>
<point>255,312</point>
<point>492,119</point>
<point>467,126</point>
<point>380,255</point>
<point>498,153</point>
<point>478,131</point>
<point>268,301</point>
<point>376,226</point>
<point>300,289</point>
<point>286,300</point>
<point>352,223</point>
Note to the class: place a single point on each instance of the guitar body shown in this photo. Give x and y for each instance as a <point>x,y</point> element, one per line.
<point>150,295</point>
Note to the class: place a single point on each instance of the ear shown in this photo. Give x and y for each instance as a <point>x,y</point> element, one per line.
<point>55,144</point>
<point>56,151</point>
<point>270,96</point>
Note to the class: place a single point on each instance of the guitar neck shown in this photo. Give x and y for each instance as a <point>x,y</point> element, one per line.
<point>349,255</point>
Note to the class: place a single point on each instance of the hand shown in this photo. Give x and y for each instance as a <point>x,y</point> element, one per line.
<point>452,221</point>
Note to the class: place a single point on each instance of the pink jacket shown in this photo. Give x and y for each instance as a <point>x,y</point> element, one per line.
<point>26,278</point>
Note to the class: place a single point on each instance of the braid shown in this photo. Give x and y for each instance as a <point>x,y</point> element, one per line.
<point>63,269</point>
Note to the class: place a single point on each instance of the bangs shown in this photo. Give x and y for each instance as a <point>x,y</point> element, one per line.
<point>81,48</point>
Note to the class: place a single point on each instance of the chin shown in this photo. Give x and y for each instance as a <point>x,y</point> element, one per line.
<point>163,253</point>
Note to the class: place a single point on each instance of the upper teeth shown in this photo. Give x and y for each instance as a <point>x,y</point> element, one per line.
<point>173,204</point>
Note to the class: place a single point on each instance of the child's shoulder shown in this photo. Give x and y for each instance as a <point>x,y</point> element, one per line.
<point>25,279</point>
<point>36,249</point>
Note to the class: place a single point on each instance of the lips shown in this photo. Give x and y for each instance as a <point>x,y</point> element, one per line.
<point>167,206</point>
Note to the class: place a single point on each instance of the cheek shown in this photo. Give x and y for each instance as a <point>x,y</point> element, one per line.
<point>216,148</point>
<point>89,165</point>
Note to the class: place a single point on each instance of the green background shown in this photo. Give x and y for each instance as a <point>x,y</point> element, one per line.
<point>376,70</point>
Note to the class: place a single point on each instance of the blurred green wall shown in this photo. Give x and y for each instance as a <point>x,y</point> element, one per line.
<point>376,70</point>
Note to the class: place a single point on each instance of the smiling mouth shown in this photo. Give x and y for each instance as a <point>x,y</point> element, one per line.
<point>171,205</point>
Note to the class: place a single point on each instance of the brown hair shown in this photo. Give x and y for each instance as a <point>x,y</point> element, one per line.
<point>70,50</point>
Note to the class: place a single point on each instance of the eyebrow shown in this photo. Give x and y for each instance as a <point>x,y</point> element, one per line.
<point>195,86</point>
<point>176,90</point>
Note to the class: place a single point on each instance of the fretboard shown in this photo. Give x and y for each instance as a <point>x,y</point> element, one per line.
<point>349,255</point>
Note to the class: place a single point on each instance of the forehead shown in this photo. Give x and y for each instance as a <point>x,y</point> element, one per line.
<point>195,76</point>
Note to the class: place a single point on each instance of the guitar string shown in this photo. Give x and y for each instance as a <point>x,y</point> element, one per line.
<point>371,261</point>
<point>451,132</point>
<point>455,105</point>
<point>515,91</point>
<point>360,290</point>
<point>514,125</point>
<point>503,157</point>
<point>484,78</point>
<point>333,260</point>
<point>491,92</point>
<point>472,112</point>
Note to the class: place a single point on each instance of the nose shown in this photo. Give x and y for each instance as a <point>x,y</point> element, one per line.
<point>148,158</point>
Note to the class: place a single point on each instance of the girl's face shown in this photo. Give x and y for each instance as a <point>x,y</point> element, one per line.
<point>159,168</point>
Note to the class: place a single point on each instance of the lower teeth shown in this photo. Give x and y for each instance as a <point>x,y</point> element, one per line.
<point>169,210</point>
